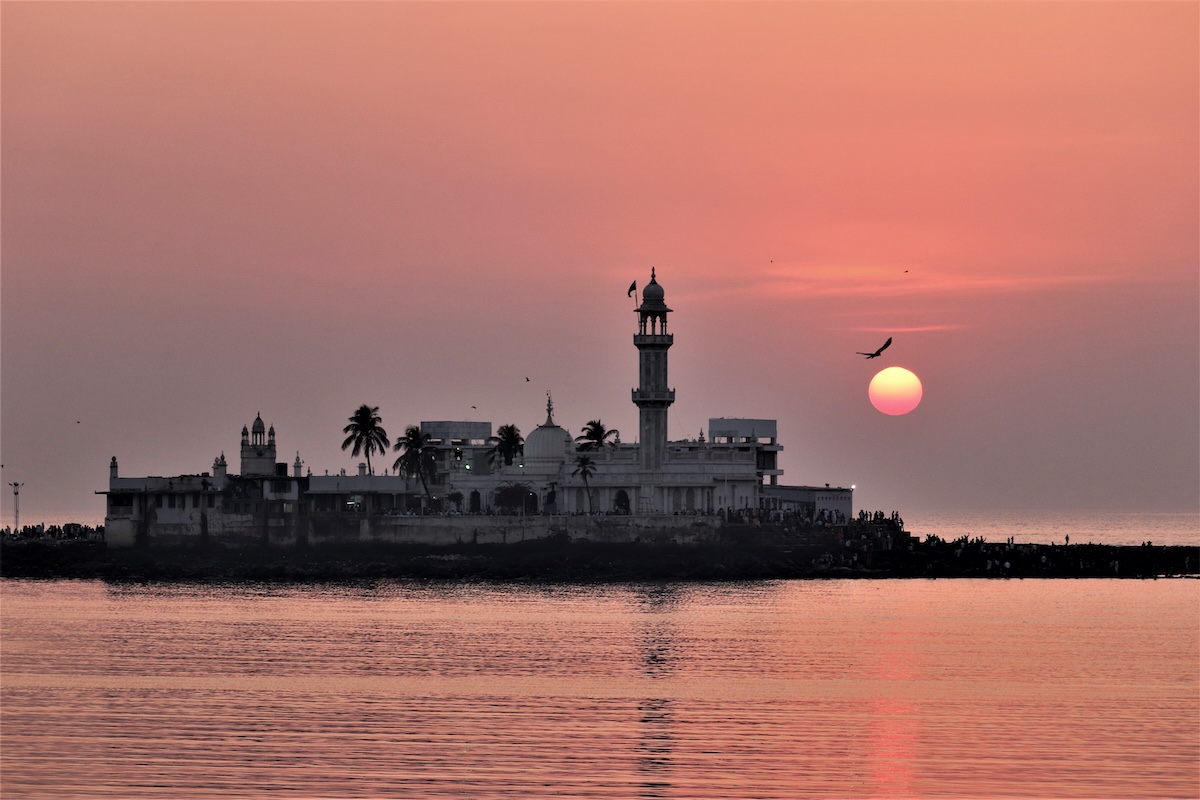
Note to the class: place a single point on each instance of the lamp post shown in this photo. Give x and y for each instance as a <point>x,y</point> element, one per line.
<point>16,506</point>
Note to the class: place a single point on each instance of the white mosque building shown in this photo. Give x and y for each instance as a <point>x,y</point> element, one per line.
<point>734,469</point>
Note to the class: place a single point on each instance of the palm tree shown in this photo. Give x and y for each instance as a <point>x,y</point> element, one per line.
<point>417,456</point>
<point>366,434</point>
<point>585,469</point>
<point>506,444</point>
<point>511,495</point>
<point>595,436</point>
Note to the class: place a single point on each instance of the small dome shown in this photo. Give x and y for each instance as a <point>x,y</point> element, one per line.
<point>258,426</point>
<point>652,295</point>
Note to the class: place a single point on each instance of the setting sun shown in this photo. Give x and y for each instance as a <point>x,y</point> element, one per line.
<point>895,391</point>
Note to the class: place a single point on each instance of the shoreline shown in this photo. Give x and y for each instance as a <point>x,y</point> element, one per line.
<point>564,561</point>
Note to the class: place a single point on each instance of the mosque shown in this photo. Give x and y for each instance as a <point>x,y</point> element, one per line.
<point>732,471</point>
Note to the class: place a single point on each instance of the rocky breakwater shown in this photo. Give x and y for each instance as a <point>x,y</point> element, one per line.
<point>733,553</point>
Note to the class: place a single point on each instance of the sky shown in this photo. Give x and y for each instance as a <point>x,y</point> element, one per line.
<point>210,210</point>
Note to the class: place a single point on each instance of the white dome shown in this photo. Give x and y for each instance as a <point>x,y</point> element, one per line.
<point>548,442</point>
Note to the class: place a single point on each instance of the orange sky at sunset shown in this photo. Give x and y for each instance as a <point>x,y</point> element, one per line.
<point>215,209</point>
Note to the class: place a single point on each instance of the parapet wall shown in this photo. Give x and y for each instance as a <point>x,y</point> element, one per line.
<point>509,530</point>
<point>247,530</point>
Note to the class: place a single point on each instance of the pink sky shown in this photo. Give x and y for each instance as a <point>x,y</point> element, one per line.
<point>215,209</point>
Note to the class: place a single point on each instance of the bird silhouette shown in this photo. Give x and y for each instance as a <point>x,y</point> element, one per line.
<point>527,380</point>
<point>880,350</point>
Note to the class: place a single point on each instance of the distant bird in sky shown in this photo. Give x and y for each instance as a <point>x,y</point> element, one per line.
<point>880,350</point>
<point>472,406</point>
<point>527,380</point>
<point>632,289</point>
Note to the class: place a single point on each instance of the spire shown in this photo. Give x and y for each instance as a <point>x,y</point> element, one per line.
<point>549,408</point>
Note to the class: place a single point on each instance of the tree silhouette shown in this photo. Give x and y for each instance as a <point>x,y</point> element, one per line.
<point>595,436</point>
<point>506,444</point>
<point>513,495</point>
<point>366,434</point>
<point>585,469</point>
<point>417,456</point>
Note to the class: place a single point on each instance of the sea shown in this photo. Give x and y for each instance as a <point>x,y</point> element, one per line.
<point>1086,688</point>
<point>948,688</point>
<point>1053,527</point>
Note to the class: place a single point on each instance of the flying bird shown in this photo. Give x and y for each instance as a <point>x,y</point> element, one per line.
<point>880,350</point>
<point>527,380</point>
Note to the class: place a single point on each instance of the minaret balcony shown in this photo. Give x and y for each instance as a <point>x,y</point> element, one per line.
<point>653,339</point>
<point>650,396</point>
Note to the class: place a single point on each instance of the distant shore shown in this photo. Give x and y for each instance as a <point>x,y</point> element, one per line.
<point>566,561</point>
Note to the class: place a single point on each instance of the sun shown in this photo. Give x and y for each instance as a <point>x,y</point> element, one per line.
<point>895,391</point>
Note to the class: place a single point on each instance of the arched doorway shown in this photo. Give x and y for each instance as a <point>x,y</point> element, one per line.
<point>621,502</point>
<point>474,502</point>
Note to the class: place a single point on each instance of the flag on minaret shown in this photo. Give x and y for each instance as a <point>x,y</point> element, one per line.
<point>632,289</point>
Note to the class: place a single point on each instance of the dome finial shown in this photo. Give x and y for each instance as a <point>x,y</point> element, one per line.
<point>549,408</point>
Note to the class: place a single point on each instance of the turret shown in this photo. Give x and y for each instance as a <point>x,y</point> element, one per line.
<point>296,465</point>
<point>112,469</point>
<point>258,450</point>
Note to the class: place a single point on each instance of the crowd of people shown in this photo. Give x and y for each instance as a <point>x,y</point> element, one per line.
<point>72,531</point>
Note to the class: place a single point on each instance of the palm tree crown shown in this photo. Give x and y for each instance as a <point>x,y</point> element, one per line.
<point>366,433</point>
<point>506,444</point>
<point>416,455</point>
<point>595,436</point>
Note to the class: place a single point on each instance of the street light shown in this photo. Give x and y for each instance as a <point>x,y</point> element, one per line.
<point>16,506</point>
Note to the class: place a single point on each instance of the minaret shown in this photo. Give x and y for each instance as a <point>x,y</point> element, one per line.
<point>653,397</point>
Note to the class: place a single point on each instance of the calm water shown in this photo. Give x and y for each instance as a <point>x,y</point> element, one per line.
<point>1045,527</point>
<point>832,689</point>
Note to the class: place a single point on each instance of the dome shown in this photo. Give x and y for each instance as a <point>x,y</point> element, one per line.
<point>548,442</point>
<point>652,295</point>
<point>258,426</point>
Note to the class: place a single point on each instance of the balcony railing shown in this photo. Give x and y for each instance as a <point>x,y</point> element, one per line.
<point>652,396</point>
